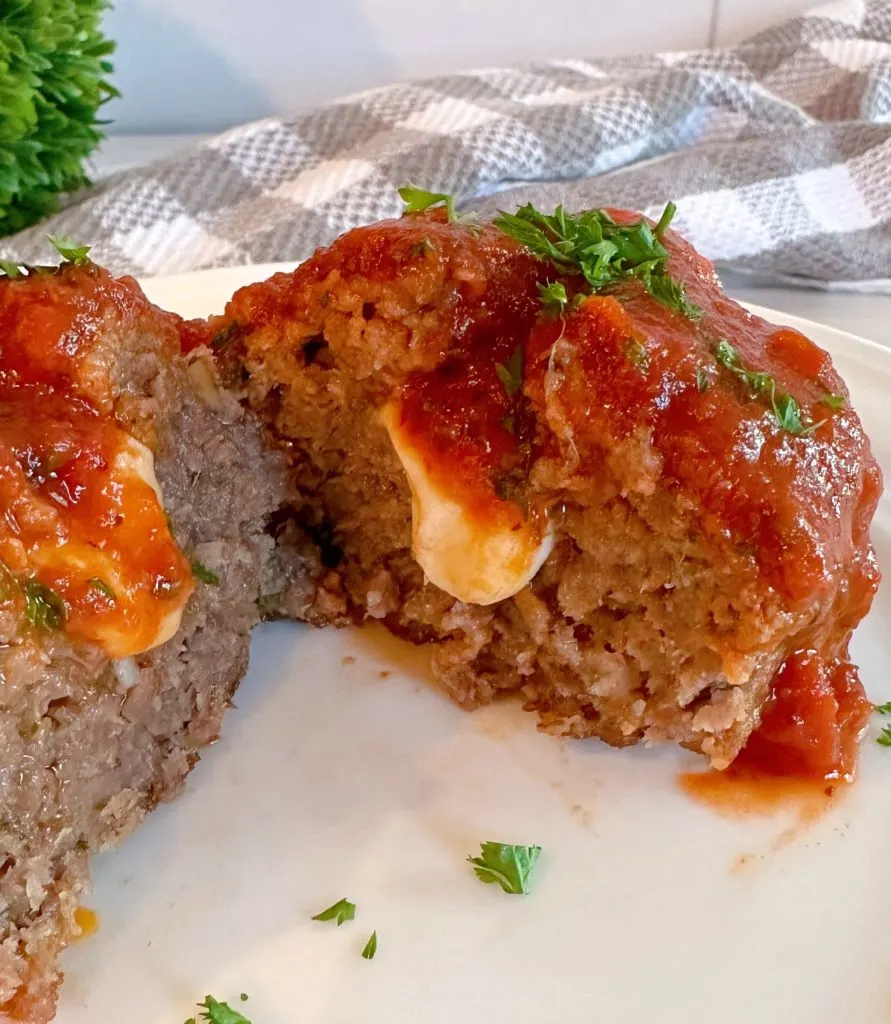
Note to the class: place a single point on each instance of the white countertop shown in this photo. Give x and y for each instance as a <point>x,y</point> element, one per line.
<point>868,315</point>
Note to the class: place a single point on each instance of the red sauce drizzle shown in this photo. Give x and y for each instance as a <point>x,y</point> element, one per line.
<point>73,520</point>
<point>799,506</point>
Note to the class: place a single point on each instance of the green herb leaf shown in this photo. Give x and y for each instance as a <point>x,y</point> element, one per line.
<point>220,1013</point>
<point>12,269</point>
<point>834,401</point>
<point>784,406</point>
<point>421,248</point>
<point>418,199</point>
<point>702,380</point>
<point>636,353</point>
<point>884,737</point>
<point>43,608</point>
<point>511,373</point>
<point>787,412</point>
<point>666,219</point>
<point>69,250</point>
<point>605,253</point>
<point>224,336</point>
<point>201,572</point>
<point>553,298</point>
<point>508,865</point>
<point>370,947</point>
<point>102,587</point>
<point>340,911</point>
<point>883,709</point>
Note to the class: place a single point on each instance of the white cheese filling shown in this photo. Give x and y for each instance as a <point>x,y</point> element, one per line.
<point>478,560</point>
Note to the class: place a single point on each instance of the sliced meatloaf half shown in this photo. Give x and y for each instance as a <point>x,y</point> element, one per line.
<point>135,495</point>
<point>578,470</point>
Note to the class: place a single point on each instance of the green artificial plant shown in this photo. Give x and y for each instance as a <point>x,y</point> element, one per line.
<point>53,68</point>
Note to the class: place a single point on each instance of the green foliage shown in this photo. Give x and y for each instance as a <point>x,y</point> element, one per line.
<point>605,253</point>
<point>340,911</point>
<point>508,865</point>
<point>53,68</point>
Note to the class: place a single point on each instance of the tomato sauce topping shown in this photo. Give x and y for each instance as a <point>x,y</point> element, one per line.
<point>811,723</point>
<point>798,502</point>
<point>84,539</point>
<point>461,403</point>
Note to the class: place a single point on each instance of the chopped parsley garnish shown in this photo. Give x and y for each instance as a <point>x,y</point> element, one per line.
<point>243,997</point>
<point>69,250</point>
<point>785,408</point>
<point>12,269</point>
<point>370,947</point>
<point>884,737</point>
<point>340,911</point>
<point>222,337</point>
<point>605,253</point>
<point>553,298</point>
<point>636,353</point>
<point>102,587</point>
<point>511,373</point>
<point>665,220</point>
<point>508,865</point>
<point>218,1013</point>
<point>421,248</point>
<point>43,608</point>
<point>702,380</point>
<point>834,401</point>
<point>204,574</point>
<point>418,199</point>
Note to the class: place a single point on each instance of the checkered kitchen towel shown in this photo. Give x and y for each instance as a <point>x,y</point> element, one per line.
<point>777,152</point>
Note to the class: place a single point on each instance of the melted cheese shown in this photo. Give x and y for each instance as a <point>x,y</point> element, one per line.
<point>477,559</point>
<point>120,635</point>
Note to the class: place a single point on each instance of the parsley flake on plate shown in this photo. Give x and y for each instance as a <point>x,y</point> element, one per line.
<point>214,1012</point>
<point>508,865</point>
<point>604,252</point>
<point>340,911</point>
<point>370,947</point>
<point>884,737</point>
<point>883,709</point>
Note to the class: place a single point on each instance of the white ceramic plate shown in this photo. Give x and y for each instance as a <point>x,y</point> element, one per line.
<point>332,781</point>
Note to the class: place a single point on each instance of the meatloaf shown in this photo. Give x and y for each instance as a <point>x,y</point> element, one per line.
<point>555,450</point>
<point>132,556</point>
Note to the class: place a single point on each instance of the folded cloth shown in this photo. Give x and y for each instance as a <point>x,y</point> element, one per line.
<point>777,152</point>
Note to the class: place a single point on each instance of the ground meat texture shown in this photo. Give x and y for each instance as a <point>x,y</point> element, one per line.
<point>700,544</point>
<point>90,745</point>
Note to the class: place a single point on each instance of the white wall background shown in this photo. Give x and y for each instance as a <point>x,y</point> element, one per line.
<point>202,65</point>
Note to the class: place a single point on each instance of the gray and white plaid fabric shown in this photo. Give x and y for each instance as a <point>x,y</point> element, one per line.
<point>777,152</point>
